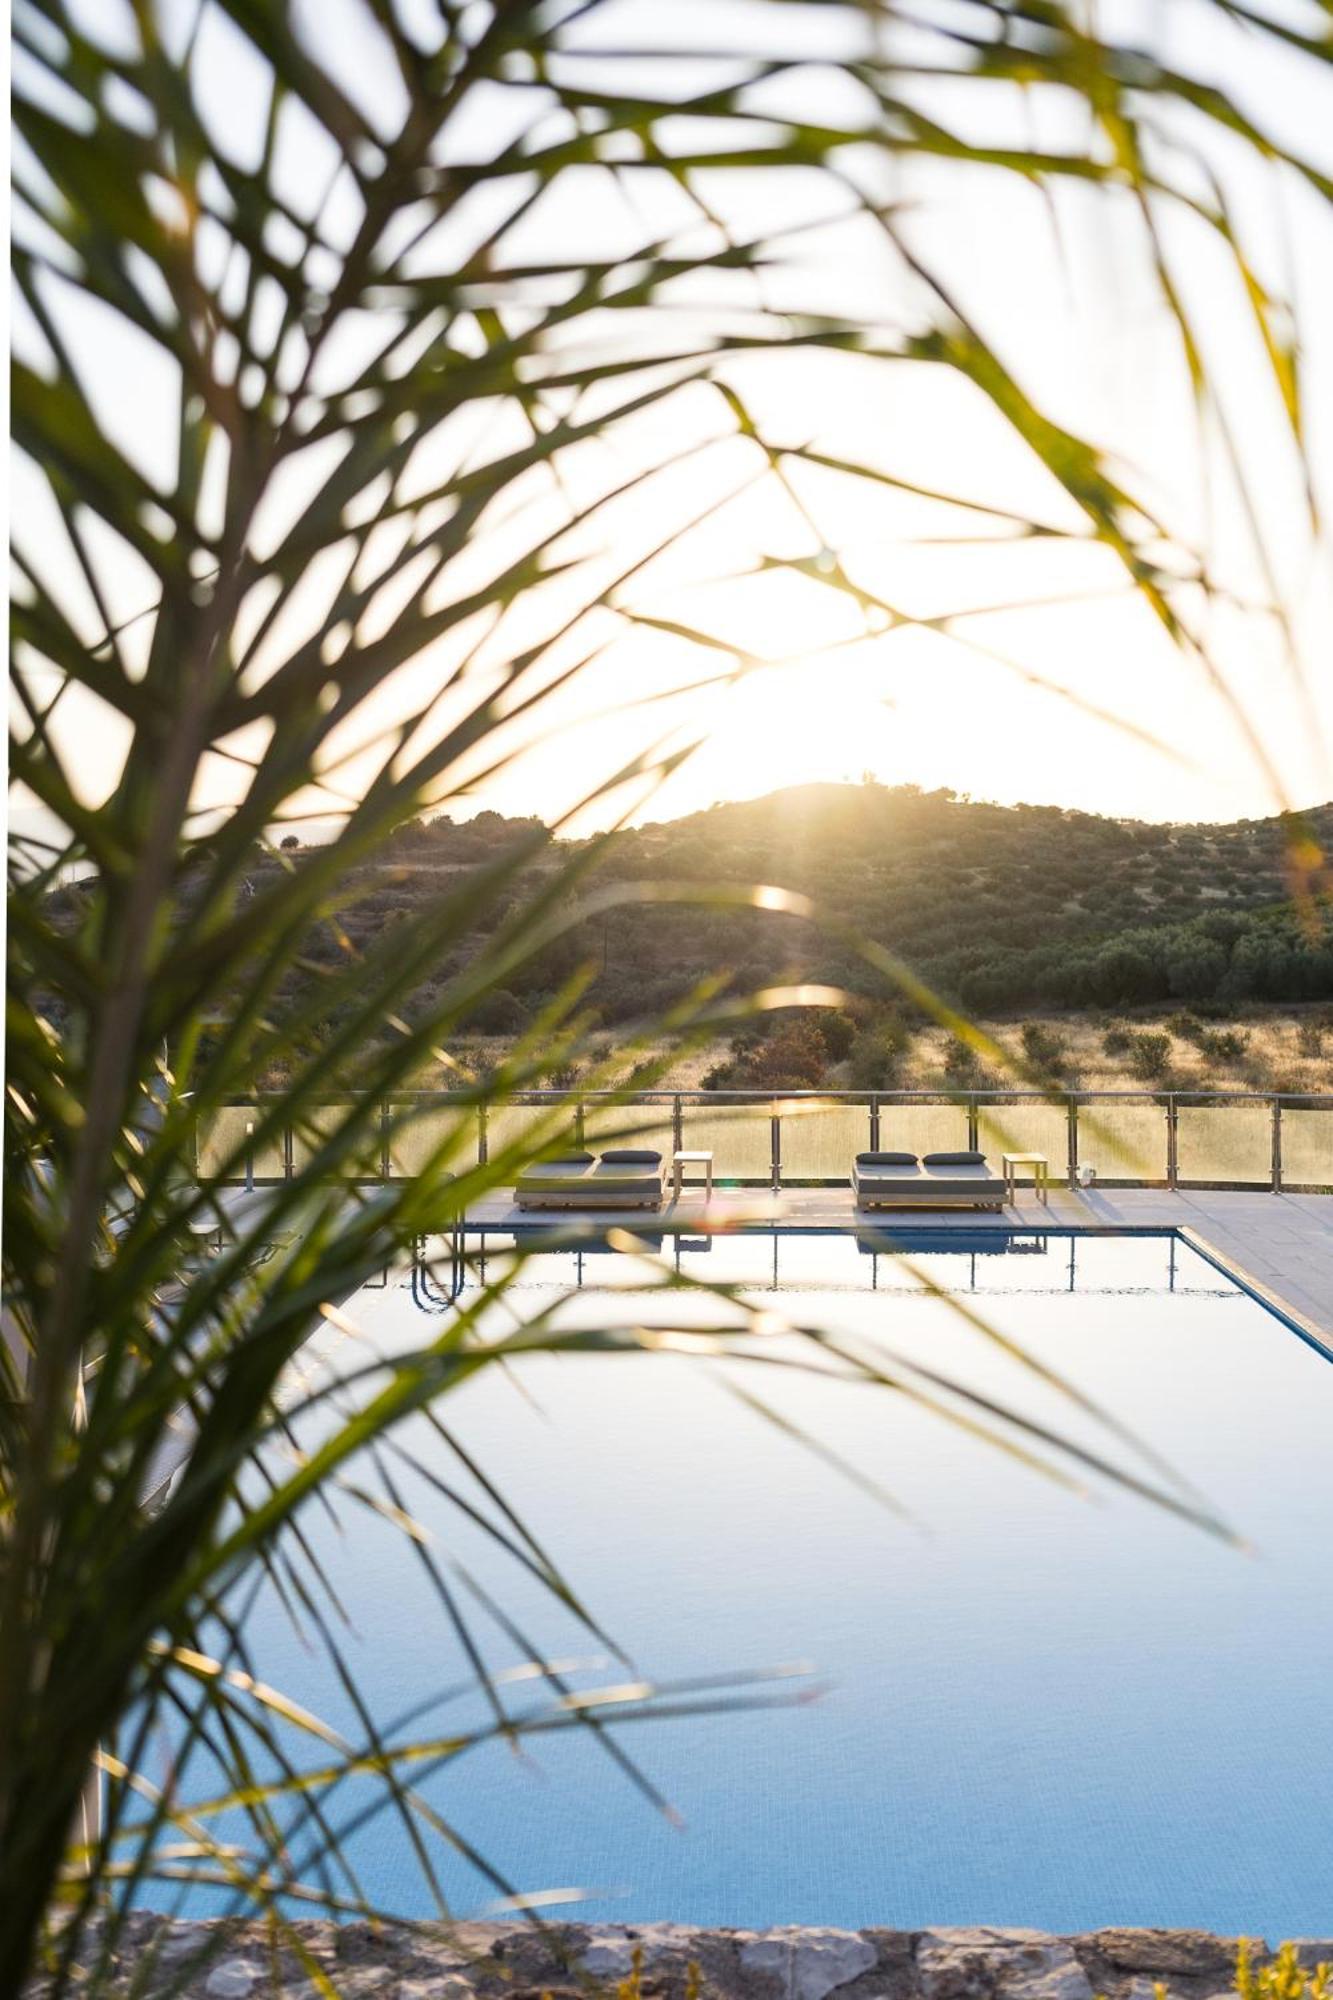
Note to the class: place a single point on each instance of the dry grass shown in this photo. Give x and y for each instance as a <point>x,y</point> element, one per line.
<point>1274,1056</point>
<point>1277,1053</point>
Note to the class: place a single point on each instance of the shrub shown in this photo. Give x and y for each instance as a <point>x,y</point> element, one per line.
<point>877,1057</point>
<point>1196,968</point>
<point>1123,973</point>
<point>1150,1056</point>
<point>795,1058</point>
<point>1223,1045</point>
<point>961,1062</point>
<point>498,1013</point>
<point>1284,1978</point>
<point>1043,1048</point>
<point>1118,1039</point>
<point>839,1032</point>
<point>1186,1026</point>
<point>1310,1038</point>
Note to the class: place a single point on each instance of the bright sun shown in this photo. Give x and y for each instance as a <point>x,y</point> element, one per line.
<point>823,717</point>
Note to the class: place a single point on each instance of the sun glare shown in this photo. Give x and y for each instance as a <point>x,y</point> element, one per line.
<point>821,718</point>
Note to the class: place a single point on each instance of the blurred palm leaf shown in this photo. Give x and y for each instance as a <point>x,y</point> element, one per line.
<point>415,392</point>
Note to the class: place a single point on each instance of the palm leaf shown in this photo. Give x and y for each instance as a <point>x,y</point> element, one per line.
<point>364,576</point>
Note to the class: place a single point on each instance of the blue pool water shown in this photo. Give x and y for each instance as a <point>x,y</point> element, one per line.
<point>1033,1707</point>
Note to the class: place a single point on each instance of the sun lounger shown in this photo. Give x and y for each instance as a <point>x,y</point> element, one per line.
<point>939,1180</point>
<point>626,1177</point>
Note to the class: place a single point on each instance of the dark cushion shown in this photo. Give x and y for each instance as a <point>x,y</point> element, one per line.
<point>632,1156</point>
<point>886,1159</point>
<point>953,1160</point>
<point>565,1160</point>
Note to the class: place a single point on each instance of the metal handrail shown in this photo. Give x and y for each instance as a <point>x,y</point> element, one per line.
<point>778,1106</point>
<point>574,1096</point>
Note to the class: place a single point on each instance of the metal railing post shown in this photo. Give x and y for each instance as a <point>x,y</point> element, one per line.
<point>386,1164</point>
<point>1172,1140</point>
<point>677,1125</point>
<point>973,1125</point>
<point>481,1135</point>
<point>288,1153</point>
<point>874,1124</point>
<point>776,1141</point>
<point>1071,1109</point>
<point>1277,1145</point>
<point>578,1124</point>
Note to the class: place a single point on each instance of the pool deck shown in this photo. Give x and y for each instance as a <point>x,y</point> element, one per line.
<point>1278,1247</point>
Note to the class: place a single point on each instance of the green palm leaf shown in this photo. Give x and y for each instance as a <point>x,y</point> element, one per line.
<point>414,395</point>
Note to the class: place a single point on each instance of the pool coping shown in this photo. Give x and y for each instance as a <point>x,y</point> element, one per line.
<point>1255,1288</point>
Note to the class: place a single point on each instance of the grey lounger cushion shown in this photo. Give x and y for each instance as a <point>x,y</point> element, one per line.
<point>925,1186</point>
<point>585,1183</point>
<point>886,1159</point>
<point>631,1156</point>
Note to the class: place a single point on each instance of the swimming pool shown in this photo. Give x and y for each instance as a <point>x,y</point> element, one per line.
<point>1033,1708</point>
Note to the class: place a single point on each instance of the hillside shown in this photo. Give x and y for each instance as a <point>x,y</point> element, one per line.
<point>1008,906</point>
<point>1003,911</point>
<point>998,909</point>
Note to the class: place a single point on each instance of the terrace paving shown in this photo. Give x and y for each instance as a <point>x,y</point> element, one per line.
<point>1277,1246</point>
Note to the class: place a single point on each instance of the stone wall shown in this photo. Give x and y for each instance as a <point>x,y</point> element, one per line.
<point>512,1961</point>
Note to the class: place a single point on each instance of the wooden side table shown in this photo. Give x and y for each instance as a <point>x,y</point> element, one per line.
<point>1040,1166</point>
<point>679,1162</point>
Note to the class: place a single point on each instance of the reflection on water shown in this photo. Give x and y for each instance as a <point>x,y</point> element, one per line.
<point>896,1259</point>
<point>1041,1708</point>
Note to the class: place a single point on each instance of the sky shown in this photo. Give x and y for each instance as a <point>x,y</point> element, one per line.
<point>1054,682</point>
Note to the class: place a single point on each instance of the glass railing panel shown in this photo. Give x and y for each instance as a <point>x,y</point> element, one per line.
<point>1025,1128</point>
<point>1123,1141</point>
<point>1307,1147</point>
<point>222,1132</point>
<point>646,1125</point>
<point>535,1128</point>
<point>319,1121</point>
<point>739,1136</point>
<point>820,1141</point>
<point>421,1127</point>
<point>1123,1138</point>
<point>1225,1142</point>
<point>922,1128</point>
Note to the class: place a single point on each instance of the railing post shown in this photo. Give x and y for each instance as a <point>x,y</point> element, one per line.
<point>250,1156</point>
<point>386,1164</point>
<point>578,1124</point>
<point>1277,1145</point>
<point>677,1125</point>
<point>874,1124</point>
<point>288,1152</point>
<point>481,1135</point>
<point>776,1124</point>
<point>1071,1110</point>
<point>1172,1140</point>
<point>973,1125</point>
